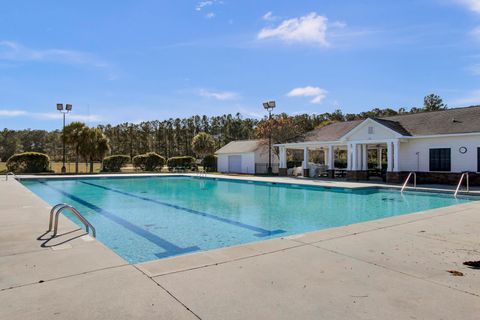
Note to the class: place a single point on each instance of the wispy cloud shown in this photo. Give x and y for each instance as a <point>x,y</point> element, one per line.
<point>316,93</point>
<point>469,99</point>
<point>472,5</point>
<point>475,33</point>
<point>218,95</point>
<point>310,29</point>
<point>269,16</point>
<point>210,15</point>
<point>14,51</point>
<point>474,69</point>
<point>5,113</point>
<point>11,113</point>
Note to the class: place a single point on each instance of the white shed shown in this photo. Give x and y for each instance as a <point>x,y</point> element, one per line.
<point>246,156</point>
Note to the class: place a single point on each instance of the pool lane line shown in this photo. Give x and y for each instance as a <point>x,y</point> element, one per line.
<point>169,247</point>
<point>260,231</point>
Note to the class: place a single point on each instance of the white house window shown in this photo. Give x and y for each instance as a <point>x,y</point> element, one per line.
<point>371,130</point>
<point>440,159</point>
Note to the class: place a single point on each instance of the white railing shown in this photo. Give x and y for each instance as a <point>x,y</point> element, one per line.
<point>408,178</point>
<point>465,174</point>
<point>9,174</point>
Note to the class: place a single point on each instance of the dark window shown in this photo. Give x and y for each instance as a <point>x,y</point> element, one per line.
<point>478,159</point>
<point>440,159</point>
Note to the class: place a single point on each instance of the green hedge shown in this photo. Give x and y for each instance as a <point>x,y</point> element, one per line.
<point>115,163</point>
<point>209,163</point>
<point>150,161</point>
<point>182,162</point>
<point>28,162</point>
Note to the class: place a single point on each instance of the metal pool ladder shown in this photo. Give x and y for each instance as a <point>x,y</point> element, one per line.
<point>56,209</point>
<point>9,174</point>
<point>408,178</point>
<point>465,174</point>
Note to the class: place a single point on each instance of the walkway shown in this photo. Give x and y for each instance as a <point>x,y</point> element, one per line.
<point>392,268</point>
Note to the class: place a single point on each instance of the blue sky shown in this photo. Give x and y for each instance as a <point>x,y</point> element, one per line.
<point>118,61</point>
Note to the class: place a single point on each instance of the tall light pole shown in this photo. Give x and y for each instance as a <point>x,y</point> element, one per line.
<point>68,108</point>
<point>269,106</point>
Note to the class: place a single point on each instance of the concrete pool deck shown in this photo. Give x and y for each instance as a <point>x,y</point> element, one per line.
<point>391,268</point>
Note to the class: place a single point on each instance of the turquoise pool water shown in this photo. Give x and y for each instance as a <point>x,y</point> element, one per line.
<point>147,218</point>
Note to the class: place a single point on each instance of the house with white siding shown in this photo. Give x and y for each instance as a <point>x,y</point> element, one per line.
<point>438,145</point>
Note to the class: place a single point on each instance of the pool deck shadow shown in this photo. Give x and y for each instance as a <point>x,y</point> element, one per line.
<point>390,268</point>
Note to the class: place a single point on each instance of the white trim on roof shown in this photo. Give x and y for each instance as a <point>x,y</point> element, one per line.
<point>365,123</point>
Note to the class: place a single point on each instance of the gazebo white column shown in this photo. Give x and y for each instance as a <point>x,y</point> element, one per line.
<point>396,154</point>
<point>354,165</point>
<point>305,162</point>
<point>364,157</point>
<point>389,157</point>
<point>282,161</point>
<point>379,158</point>
<point>330,161</point>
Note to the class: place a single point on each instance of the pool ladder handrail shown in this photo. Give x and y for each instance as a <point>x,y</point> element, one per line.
<point>467,181</point>
<point>9,174</point>
<point>408,178</point>
<point>202,173</point>
<point>56,209</point>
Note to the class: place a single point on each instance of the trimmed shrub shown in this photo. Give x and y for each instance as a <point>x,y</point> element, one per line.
<point>28,162</point>
<point>342,164</point>
<point>209,163</point>
<point>115,163</point>
<point>150,161</point>
<point>181,162</point>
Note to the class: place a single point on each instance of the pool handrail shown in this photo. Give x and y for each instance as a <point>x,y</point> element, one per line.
<point>408,178</point>
<point>61,207</point>
<point>9,174</point>
<point>467,181</point>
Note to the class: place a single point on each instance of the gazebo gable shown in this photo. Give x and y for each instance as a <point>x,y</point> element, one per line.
<point>371,129</point>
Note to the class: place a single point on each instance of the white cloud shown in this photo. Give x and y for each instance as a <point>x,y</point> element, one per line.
<point>203,4</point>
<point>14,51</point>
<point>317,93</point>
<point>474,69</point>
<point>218,95</point>
<point>11,113</point>
<point>207,3</point>
<point>475,33</point>
<point>47,115</point>
<point>471,98</point>
<point>269,16</point>
<point>311,28</point>
<point>472,5</point>
<point>210,15</point>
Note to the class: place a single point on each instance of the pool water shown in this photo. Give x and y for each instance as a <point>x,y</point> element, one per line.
<point>147,218</point>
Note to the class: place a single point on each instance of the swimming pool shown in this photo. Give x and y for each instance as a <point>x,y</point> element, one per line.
<point>147,218</point>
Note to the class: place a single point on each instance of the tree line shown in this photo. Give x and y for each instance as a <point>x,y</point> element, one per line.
<point>173,137</point>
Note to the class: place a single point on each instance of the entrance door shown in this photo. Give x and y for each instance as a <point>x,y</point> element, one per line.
<point>235,164</point>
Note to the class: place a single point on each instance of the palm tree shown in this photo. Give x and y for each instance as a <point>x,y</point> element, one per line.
<point>203,144</point>
<point>94,145</point>
<point>72,136</point>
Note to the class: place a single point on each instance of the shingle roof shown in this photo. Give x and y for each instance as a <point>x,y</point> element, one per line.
<point>331,132</point>
<point>450,121</point>
<point>459,120</point>
<point>242,146</point>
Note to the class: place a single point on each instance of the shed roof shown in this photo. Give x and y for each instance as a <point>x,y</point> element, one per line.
<point>241,146</point>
